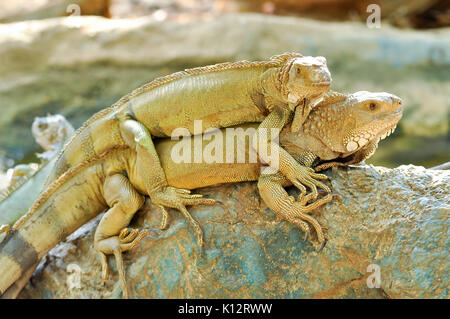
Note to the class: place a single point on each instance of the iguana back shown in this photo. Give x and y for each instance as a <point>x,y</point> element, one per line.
<point>149,104</point>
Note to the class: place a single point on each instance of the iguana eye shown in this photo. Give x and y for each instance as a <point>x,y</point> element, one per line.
<point>372,106</point>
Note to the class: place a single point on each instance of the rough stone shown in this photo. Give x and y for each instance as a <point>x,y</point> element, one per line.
<point>394,219</point>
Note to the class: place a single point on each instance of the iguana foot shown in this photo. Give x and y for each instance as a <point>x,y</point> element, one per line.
<point>300,224</point>
<point>116,245</point>
<point>287,208</point>
<point>304,199</point>
<point>303,177</point>
<point>179,198</point>
<point>297,214</point>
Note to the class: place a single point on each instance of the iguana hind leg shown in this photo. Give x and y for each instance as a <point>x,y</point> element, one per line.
<point>149,167</point>
<point>111,235</point>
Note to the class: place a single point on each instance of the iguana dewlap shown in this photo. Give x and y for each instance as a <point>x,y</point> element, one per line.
<point>113,181</point>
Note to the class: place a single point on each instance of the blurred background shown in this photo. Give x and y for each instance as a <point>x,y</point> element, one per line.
<point>75,57</point>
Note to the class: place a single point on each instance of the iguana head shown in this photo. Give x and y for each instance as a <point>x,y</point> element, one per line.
<point>341,125</point>
<point>365,117</point>
<point>306,77</point>
<point>51,131</point>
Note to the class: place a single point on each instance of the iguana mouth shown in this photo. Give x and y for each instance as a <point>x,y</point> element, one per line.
<point>389,125</point>
<point>327,83</point>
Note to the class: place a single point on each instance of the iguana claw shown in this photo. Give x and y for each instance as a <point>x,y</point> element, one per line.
<point>303,177</point>
<point>127,239</point>
<point>179,198</point>
<point>298,214</point>
<point>322,245</point>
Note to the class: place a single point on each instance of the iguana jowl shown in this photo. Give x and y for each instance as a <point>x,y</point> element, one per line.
<point>113,180</point>
<point>220,95</point>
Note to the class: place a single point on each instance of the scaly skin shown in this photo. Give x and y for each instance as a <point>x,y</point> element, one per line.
<point>85,191</point>
<point>220,95</point>
<point>322,142</point>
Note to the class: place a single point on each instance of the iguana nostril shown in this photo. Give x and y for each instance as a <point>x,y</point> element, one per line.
<point>396,101</point>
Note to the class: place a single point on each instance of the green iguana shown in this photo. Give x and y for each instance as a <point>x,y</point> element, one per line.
<point>340,129</point>
<point>220,95</point>
<point>50,132</point>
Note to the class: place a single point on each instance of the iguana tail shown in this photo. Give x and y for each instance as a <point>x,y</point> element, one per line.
<point>19,199</point>
<point>13,291</point>
<point>74,199</point>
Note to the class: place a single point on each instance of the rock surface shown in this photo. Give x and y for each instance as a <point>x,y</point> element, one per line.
<point>77,65</point>
<point>395,219</point>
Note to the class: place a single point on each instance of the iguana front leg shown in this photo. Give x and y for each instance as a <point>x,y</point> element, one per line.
<point>137,136</point>
<point>300,176</point>
<point>296,212</point>
<point>301,112</point>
